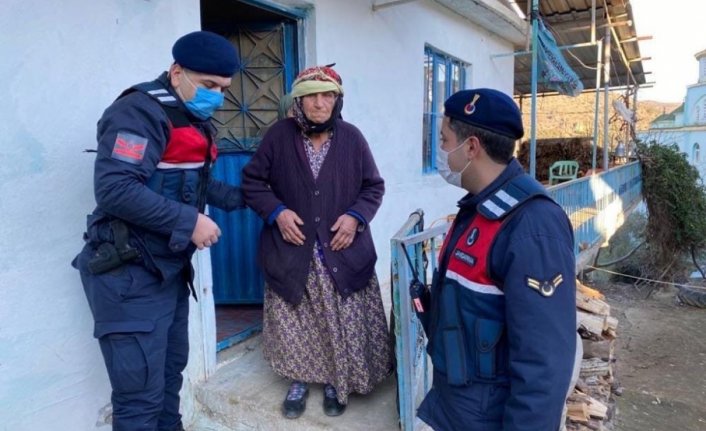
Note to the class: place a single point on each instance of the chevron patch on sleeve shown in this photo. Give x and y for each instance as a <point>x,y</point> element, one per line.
<point>545,288</point>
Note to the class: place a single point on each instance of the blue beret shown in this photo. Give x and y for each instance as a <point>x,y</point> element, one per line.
<point>487,109</point>
<point>206,52</point>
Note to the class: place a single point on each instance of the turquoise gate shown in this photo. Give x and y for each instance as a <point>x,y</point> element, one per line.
<point>595,205</point>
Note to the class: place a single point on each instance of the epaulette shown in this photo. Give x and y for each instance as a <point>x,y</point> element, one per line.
<point>170,106</point>
<point>511,195</point>
<point>155,90</point>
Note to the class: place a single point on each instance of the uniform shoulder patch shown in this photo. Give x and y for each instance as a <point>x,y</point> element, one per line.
<point>545,288</point>
<point>129,148</point>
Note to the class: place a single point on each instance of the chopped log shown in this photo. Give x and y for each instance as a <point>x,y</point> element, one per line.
<point>595,367</point>
<point>595,425</point>
<point>590,406</point>
<point>591,304</point>
<point>602,349</point>
<point>596,408</point>
<point>577,412</point>
<point>589,292</point>
<point>592,323</point>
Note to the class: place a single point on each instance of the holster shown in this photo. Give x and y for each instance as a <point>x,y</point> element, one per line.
<point>111,255</point>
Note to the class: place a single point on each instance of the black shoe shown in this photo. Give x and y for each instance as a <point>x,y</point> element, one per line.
<point>295,402</point>
<point>331,405</point>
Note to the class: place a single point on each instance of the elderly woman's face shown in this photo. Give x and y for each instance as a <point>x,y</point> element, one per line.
<point>318,106</point>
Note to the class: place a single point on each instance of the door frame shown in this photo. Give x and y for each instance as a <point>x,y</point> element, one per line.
<point>203,281</point>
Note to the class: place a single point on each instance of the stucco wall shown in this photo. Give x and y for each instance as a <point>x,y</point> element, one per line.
<point>380,56</point>
<point>62,64</point>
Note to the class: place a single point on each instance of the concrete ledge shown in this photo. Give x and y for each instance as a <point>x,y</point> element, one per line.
<point>244,394</point>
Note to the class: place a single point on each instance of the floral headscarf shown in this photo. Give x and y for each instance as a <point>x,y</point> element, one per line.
<point>319,79</point>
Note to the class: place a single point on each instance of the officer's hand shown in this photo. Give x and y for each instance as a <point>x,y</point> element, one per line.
<point>288,223</point>
<point>206,232</point>
<point>345,227</point>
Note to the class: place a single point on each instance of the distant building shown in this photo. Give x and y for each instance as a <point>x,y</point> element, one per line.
<point>686,125</point>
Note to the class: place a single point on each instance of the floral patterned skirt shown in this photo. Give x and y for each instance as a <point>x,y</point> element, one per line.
<point>326,338</point>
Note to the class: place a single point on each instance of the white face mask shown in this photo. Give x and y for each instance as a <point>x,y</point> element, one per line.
<point>442,165</point>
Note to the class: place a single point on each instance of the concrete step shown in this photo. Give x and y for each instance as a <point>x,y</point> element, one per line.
<point>245,394</point>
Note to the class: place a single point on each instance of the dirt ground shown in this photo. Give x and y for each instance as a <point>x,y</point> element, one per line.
<point>661,360</point>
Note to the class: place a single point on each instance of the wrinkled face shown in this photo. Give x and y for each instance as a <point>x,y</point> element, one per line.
<point>450,143</point>
<point>185,82</point>
<point>318,107</point>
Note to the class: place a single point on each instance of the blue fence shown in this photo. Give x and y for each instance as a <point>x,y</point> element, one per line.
<point>595,206</point>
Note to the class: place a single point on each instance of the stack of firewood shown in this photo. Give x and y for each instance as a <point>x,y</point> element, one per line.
<point>591,405</point>
<point>552,150</point>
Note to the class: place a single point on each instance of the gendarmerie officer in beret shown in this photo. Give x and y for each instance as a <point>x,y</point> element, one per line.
<point>502,319</point>
<point>152,182</point>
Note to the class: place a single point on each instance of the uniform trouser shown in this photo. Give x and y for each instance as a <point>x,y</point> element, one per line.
<point>141,324</point>
<point>476,407</point>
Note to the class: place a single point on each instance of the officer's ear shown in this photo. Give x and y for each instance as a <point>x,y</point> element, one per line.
<point>175,72</point>
<point>473,147</point>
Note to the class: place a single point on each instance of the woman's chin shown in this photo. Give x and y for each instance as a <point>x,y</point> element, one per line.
<point>319,120</point>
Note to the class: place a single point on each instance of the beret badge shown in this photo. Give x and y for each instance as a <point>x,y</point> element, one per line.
<point>470,108</point>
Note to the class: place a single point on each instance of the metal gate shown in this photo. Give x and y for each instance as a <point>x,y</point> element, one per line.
<point>413,364</point>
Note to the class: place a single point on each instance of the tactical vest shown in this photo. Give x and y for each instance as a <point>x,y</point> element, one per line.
<point>183,173</point>
<point>468,340</point>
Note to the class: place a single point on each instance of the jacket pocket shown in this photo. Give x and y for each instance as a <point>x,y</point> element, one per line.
<point>487,336</point>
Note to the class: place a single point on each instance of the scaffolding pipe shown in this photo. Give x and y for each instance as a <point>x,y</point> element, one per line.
<point>587,91</point>
<point>533,115</point>
<point>529,51</point>
<point>606,96</point>
<point>593,21</point>
<point>599,65</point>
<point>618,42</point>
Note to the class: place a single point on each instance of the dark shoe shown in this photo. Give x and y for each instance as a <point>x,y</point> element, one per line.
<point>295,403</point>
<point>331,405</point>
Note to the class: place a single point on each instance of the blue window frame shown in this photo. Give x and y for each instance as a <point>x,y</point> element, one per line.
<point>696,153</point>
<point>443,76</point>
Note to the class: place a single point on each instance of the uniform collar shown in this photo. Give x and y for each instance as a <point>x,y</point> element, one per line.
<point>512,170</point>
<point>166,83</point>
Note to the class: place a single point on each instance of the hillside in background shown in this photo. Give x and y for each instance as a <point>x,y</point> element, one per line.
<point>566,117</point>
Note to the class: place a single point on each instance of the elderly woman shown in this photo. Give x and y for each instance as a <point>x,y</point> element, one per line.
<point>315,183</point>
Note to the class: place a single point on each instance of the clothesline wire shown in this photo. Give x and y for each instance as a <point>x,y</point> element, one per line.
<point>690,286</point>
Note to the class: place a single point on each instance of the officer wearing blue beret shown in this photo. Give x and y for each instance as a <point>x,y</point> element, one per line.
<point>152,182</point>
<point>502,319</point>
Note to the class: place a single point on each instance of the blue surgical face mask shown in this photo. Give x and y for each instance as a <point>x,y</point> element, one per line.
<point>205,102</point>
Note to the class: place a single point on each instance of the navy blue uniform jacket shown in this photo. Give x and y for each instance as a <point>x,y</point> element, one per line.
<point>160,226</point>
<point>519,341</point>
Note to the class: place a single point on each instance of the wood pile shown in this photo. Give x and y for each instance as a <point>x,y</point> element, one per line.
<point>591,405</point>
<point>552,150</point>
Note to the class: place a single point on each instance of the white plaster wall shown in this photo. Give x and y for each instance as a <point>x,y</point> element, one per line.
<point>380,56</point>
<point>62,64</point>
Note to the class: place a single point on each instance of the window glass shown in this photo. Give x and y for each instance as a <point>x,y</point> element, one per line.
<point>443,76</point>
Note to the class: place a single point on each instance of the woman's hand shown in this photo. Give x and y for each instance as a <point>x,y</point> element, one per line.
<point>288,222</point>
<point>345,227</point>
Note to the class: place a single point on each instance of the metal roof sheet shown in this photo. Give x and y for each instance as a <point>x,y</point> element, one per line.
<point>570,21</point>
